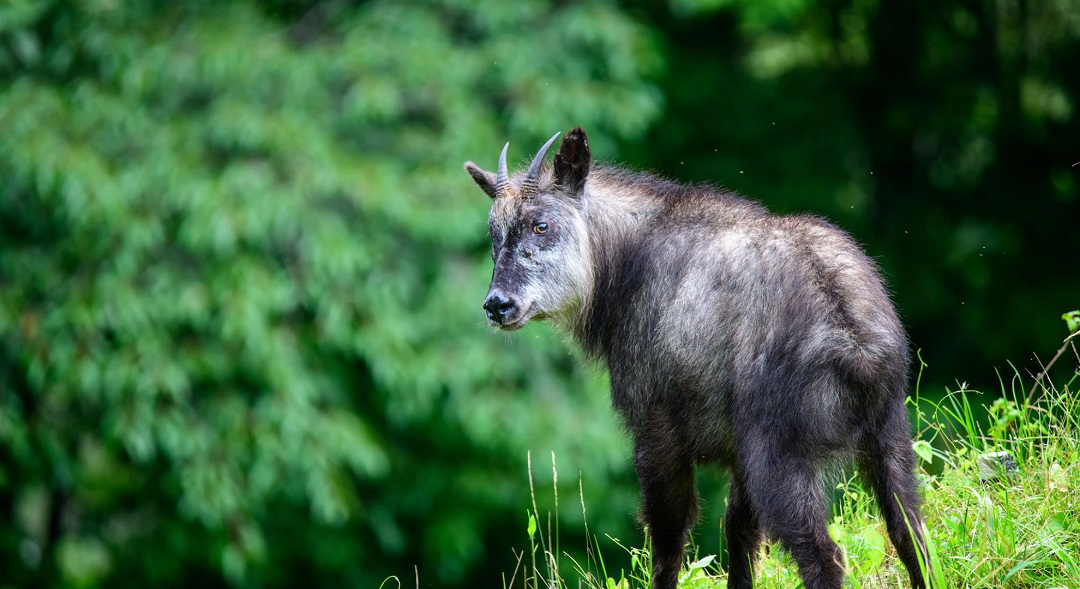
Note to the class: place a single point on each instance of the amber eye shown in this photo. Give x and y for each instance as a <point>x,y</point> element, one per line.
<point>540,228</point>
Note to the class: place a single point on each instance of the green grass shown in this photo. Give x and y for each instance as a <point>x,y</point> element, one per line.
<point>1019,530</point>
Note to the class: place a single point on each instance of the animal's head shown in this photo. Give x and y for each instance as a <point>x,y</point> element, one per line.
<point>539,241</point>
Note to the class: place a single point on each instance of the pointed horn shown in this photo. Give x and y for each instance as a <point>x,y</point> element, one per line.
<point>502,183</point>
<point>530,185</point>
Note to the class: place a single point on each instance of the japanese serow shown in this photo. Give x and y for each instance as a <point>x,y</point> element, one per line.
<point>761,343</point>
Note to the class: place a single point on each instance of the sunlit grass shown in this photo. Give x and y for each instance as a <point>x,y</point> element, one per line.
<point>1000,528</point>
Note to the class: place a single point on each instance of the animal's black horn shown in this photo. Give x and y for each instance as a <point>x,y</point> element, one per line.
<point>503,180</point>
<point>530,185</point>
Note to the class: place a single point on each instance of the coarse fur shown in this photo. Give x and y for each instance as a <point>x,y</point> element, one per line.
<point>761,343</point>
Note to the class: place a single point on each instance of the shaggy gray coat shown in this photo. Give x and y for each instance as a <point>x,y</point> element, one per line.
<point>761,343</point>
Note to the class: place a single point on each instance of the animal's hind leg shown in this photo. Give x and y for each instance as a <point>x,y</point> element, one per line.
<point>887,464</point>
<point>743,534</point>
<point>668,502</point>
<point>788,495</point>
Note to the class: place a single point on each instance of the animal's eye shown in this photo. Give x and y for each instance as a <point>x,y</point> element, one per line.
<point>540,228</point>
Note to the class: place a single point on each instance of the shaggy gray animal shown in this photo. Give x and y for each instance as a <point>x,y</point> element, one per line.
<point>764,344</point>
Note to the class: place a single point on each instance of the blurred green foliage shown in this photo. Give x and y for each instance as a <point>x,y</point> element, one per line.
<point>241,267</point>
<point>241,340</point>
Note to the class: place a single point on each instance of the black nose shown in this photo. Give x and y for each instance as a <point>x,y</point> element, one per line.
<point>498,307</point>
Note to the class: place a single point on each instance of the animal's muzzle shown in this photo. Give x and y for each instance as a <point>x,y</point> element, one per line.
<point>499,307</point>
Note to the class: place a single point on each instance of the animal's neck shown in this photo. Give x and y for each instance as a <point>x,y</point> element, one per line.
<point>617,218</point>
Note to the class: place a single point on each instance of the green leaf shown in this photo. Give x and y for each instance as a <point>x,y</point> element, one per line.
<point>923,450</point>
<point>1072,320</point>
<point>702,562</point>
<point>874,544</point>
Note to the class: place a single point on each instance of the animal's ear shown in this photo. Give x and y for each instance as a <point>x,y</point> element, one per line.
<point>487,181</point>
<point>573,161</point>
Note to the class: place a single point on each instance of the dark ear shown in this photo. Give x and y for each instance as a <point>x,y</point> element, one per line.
<point>573,161</point>
<point>485,180</point>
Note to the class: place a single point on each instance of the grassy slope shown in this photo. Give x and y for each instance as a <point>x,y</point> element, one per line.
<point>1020,530</point>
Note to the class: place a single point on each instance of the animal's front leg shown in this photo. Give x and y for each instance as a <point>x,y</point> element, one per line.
<point>669,503</point>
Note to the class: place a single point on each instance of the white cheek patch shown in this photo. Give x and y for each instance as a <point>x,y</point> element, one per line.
<point>564,278</point>
<point>533,292</point>
<point>582,270</point>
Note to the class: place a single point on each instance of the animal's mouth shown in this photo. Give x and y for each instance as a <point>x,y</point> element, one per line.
<point>515,325</point>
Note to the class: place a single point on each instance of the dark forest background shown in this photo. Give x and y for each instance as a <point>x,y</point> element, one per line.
<point>241,268</point>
